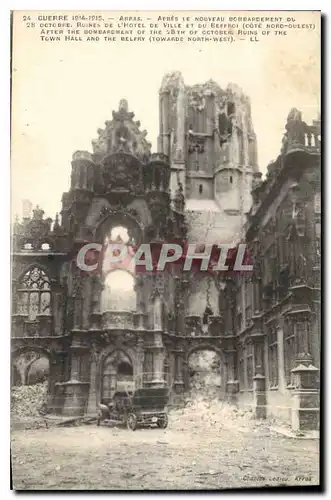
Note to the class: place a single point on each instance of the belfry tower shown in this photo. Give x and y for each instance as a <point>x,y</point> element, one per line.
<point>208,135</point>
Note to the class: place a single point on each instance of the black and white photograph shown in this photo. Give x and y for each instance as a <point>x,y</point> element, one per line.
<point>165,250</point>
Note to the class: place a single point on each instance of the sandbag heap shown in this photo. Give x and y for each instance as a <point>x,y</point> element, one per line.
<point>28,400</point>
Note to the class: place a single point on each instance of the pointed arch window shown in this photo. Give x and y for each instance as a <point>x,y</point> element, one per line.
<point>34,294</point>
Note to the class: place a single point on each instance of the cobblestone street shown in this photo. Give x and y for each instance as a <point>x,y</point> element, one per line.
<point>181,457</point>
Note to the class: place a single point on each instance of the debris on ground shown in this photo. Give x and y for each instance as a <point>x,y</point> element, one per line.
<point>216,414</point>
<point>29,400</point>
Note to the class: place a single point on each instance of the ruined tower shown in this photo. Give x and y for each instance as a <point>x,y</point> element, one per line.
<point>207,133</point>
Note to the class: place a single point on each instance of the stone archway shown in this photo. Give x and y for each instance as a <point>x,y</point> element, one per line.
<point>206,376</point>
<point>31,380</point>
<point>30,365</point>
<point>117,374</point>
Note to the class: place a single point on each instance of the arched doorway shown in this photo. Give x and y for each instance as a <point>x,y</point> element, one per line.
<point>117,375</point>
<point>206,377</point>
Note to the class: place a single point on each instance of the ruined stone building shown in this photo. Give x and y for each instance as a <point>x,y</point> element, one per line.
<point>114,329</point>
<point>278,308</point>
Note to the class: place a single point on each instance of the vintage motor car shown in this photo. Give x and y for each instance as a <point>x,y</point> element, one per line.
<point>143,408</point>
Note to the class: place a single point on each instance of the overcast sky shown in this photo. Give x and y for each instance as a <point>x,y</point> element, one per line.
<point>63,92</point>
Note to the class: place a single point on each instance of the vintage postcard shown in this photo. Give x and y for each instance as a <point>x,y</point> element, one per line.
<point>166,250</point>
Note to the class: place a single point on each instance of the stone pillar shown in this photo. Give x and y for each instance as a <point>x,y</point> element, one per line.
<point>56,377</point>
<point>87,295</point>
<point>158,361</point>
<point>180,301</point>
<point>93,396</point>
<point>185,368</point>
<point>56,306</point>
<point>97,288</point>
<point>76,391</point>
<point>185,287</point>
<point>232,384</point>
<point>165,110</point>
<point>305,397</point>
<point>281,362</point>
<point>180,129</point>
<point>52,379</point>
<point>259,380</point>
<point>140,359</point>
<point>78,302</point>
<point>179,364</point>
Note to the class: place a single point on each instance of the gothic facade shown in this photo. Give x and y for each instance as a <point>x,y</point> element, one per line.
<point>119,328</point>
<point>278,307</point>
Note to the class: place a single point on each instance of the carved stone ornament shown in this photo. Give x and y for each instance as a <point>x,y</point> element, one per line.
<point>122,134</point>
<point>122,173</point>
<point>32,233</point>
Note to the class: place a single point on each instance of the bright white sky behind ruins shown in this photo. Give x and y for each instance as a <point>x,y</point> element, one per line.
<point>64,92</point>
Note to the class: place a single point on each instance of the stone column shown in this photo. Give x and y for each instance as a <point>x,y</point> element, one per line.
<point>164,101</point>
<point>232,384</point>
<point>259,380</point>
<point>57,375</point>
<point>140,363</point>
<point>185,289</point>
<point>185,368</point>
<point>305,405</point>
<point>180,129</point>
<point>52,379</point>
<point>230,306</point>
<point>281,362</point>
<point>87,296</point>
<point>305,397</point>
<point>76,391</point>
<point>180,299</point>
<point>179,365</point>
<point>97,288</point>
<point>158,361</point>
<point>78,302</point>
<point>56,311</point>
<point>93,397</point>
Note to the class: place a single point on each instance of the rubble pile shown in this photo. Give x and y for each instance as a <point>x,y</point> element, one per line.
<point>211,413</point>
<point>205,375</point>
<point>205,385</point>
<point>28,400</point>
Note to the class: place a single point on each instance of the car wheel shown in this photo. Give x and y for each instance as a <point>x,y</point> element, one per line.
<point>131,422</point>
<point>163,422</point>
